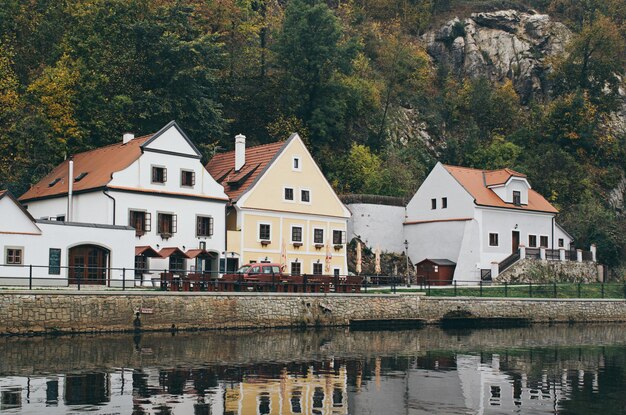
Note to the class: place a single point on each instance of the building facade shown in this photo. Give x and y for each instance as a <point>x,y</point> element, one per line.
<point>477,217</point>
<point>155,184</point>
<point>283,210</point>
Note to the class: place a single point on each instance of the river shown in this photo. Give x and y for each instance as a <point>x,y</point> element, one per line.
<point>542,369</point>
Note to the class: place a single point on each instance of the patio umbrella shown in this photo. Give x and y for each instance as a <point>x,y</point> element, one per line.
<point>377,265</point>
<point>328,259</point>
<point>358,257</point>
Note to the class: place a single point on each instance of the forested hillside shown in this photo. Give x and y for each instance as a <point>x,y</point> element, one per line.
<point>379,89</point>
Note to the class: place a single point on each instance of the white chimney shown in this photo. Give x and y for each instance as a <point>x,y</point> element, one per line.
<point>70,191</point>
<point>127,137</point>
<point>240,151</point>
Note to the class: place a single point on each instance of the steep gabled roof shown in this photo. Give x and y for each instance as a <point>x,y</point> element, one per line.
<point>476,183</point>
<point>99,164</point>
<point>236,183</point>
<point>8,194</point>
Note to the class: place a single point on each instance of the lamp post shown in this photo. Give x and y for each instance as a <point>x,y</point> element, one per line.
<point>406,254</point>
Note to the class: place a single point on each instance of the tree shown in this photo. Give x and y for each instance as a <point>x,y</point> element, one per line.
<point>311,53</point>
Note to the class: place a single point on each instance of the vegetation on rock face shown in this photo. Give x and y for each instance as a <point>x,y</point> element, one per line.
<point>353,77</point>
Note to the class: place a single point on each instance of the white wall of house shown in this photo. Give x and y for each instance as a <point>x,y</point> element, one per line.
<point>120,241</point>
<point>439,184</point>
<point>92,207</point>
<point>505,192</point>
<point>377,226</point>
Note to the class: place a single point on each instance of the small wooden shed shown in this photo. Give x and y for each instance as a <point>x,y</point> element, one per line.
<point>435,271</point>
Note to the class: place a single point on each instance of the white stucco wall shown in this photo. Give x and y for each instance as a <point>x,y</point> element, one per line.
<point>36,251</point>
<point>514,184</point>
<point>440,184</point>
<point>377,226</point>
<point>435,240</point>
<point>92,207</point>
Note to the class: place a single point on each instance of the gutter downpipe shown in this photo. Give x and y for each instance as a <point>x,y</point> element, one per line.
<point>113,199</point>
<point>553,223</point>
<point>70,190</point>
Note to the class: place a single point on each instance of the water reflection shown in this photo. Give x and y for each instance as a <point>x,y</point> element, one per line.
<point>542,369</point>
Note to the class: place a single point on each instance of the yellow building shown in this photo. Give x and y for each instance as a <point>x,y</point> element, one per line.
<point>324,394</point>
<point>282,208</point>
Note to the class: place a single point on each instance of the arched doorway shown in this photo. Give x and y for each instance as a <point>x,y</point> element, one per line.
<point>89,263</point>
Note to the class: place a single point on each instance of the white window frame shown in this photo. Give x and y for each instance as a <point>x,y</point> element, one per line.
<point>258,231</point>
<point>539,241</point>
<point>313,236</point>
<point>293,159</point>
<point>293,189</point>
<point>433,203</point>
<point>345,234</point>
<point>291,264</point>
<point>561,243</point>
<point>6,254</point>
<point>489,239</point>
<point>536,240</point>
<point>212,227</point>
<point>301,241</point>
<point>310,195</point>
<point>336,269</point>
<point>193,178</point>
<point>313,267</point>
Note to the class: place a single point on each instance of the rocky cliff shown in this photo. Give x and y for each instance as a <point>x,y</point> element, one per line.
<point>500,45</point>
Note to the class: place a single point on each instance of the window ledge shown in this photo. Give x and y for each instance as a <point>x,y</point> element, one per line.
<point>297,244</point>
<point>319,246</point>
<point>166,235</point>
<point>338,246</point>
<point>265,242</point>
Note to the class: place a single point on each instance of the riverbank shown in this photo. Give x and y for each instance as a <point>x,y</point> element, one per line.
<point>28,312</point>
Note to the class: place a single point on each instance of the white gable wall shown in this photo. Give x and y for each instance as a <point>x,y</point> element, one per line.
<point>13,219</point>
<point>378,226</point>
<point>505,192</point>
<point>172,140</point>
<point>92,207</point>
<point>440,184</point>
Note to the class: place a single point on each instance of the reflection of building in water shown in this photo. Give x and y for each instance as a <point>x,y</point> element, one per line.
<point>313,393</point>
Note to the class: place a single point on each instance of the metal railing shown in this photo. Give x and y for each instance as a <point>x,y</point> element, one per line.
<point>77,277</point>
<point>508,261</point>
<point>599,290</point>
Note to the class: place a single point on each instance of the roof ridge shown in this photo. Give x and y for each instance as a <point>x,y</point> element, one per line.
<point>252,147</point>
<point>117,143</point>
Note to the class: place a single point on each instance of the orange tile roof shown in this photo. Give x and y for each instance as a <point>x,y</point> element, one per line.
<point>99,164</point>
<point>169,251</point>
<point>475,182</point>
<point>146,251</point>
<point>258,158</point>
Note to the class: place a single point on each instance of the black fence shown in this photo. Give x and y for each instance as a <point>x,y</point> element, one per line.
<point>77,277</point>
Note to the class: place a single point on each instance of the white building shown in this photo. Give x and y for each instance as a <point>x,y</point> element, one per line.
<point>155,184</point>
<point>48,246</point>
<point>477,217</point>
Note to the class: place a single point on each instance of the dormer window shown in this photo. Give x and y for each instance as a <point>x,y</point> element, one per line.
<point>55,181</point>
<point>517,198</point>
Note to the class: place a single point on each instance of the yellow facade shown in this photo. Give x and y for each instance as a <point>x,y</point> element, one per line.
<point>313,394</point>
<point>265,204</point>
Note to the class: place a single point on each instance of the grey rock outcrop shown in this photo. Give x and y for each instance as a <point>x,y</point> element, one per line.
<point>500,45</point>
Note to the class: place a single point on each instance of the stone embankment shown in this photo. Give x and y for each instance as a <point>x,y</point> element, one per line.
<point>67,312</point>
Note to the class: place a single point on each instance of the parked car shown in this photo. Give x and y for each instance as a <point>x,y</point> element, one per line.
<point>257,271</point>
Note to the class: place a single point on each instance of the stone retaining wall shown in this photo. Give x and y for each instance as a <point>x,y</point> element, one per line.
<point>541,271</point>
<point>54,311</point>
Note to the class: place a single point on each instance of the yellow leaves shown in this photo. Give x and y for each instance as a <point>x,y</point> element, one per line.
<point>55,90</point>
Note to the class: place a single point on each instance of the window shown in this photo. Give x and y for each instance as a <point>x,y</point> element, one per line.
<point>159,174</point>
<point>493,239</point>
<point>517,198</point>
<point>140,221</point>
<point>141,265</point>
<point>336,272</point>
<point>254,270</point>
<point>296,268</point>
<point>543,241</point>
<point>444,202</point>
<point>433,203</point>
<point>265,232</point>
<point>339,237</point>
<point>288,193</point>
<point>167,224</point>
<point>177,263</point>
<point>305,196</point>
<point>187,178</point>
<point>532,241</point>
<point>317,268</point>
<point>14,256</point>
<point>60,218</point>
<point>53,182</point>
<point>318,236</point>
<point>561,242</point>
<point>80,177</point>
<point>296,234</point>
<point>297,166</point>
<point>204,226</point>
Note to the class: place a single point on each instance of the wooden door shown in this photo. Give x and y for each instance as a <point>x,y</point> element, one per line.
<point>88,263</point>
<point>515,241</point>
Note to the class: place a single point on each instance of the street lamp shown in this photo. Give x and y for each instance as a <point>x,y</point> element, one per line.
<point>406,254</point>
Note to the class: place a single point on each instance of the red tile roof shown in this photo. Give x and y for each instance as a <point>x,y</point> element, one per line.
<point>475,182</point>
<point>258,158</point>
<point>146,251</point>
<point>169,251</point>
<point>99,164</point>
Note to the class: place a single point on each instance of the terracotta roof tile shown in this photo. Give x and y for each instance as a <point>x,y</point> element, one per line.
<point>475,182</point>
<point>146,251</point>
<point>99,164</point>
<point>222,167</point>
<point>169,251</point>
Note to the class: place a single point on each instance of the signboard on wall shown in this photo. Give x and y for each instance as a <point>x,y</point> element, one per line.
<point>54,261</point>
